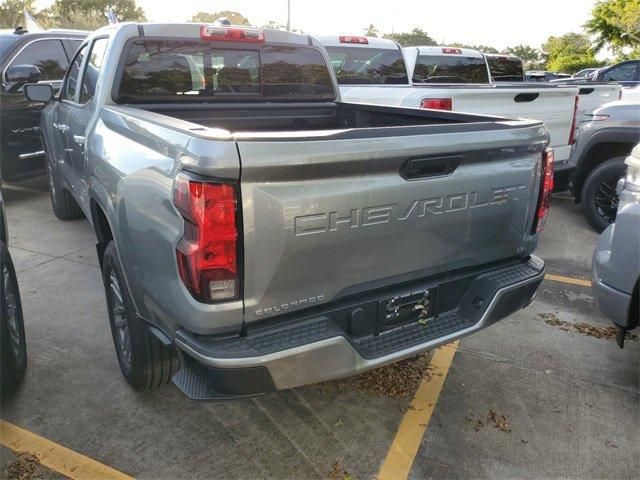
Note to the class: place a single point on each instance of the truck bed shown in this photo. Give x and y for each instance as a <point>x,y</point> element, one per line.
<point>252,117</point>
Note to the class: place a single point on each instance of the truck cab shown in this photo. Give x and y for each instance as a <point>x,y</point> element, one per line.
<point>25,57</point>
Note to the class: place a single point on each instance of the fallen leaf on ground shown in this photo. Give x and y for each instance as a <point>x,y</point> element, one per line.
<point>26,466</point>
<point>398,379</point>
<point>339,473</point>
<point>608,333</point>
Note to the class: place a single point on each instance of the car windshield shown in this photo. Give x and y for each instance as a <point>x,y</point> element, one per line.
<point>358,65</point>
<point>506,69</point>
<point>193,70</point>
<point>450,69</point>
<point>6,43</point>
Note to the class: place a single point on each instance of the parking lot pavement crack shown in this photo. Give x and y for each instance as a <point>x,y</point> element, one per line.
<point>288,437</point>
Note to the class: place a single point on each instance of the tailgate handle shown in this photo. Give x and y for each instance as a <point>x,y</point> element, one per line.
<point>586,91</point>
<point>526,97</point>
<point>430,167</point>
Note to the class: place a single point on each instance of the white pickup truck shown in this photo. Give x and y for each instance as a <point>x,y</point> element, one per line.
<point>377,71</point>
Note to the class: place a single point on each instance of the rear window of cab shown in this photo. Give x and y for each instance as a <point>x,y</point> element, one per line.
<point>450,69</point>
<point>158,70</point>
<point>375,66</point>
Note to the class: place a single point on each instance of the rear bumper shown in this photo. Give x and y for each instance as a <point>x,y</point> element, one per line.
<point>318,347</point>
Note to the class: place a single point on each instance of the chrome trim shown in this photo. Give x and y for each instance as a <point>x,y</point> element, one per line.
<point>24,156</point>
<point>334,358</point>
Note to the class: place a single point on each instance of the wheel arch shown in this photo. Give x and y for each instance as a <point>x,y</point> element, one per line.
<point>604,146</point>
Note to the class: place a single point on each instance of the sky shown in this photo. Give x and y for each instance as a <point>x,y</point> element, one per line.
<point>498,23</point>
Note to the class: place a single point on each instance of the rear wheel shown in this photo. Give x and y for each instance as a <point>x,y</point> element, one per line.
<point>64,205</point>
<point>599,196</point>
<point>145,362</point>
<point>13,347</point>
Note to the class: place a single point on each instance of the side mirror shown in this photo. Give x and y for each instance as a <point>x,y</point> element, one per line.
<point>23,74</point>
<point>38,92</point>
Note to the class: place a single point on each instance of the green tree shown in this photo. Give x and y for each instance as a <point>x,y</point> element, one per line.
<point>371,31</point>
<point>12,12</point>
<point>414,38</point>
<point>615,23</point>
<point>88,14</point>
<point>569,53</point>
<point>531,57</point>
<point>234,17</point>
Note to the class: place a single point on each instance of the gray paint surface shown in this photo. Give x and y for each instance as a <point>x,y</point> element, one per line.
<point>132,157</point>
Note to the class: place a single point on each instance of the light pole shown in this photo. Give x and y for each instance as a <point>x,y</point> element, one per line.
<point>288,15</point>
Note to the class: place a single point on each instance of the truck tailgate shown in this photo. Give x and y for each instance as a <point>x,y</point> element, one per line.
<point>335,214</point>
<point>553,106</point>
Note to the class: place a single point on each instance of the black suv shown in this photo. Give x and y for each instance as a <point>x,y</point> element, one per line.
<point>626,73</point>
<point>27,58</point>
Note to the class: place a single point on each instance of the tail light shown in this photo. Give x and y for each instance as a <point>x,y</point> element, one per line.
<point>231,34</point>
<point>546,188</point>
<point>454,51</point>
<point>572,133</point>
<point>352,39</point>
<point>208,251</point>
<point>437,103</point>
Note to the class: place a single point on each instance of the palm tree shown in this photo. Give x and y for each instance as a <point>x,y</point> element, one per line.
<point>371,31</point>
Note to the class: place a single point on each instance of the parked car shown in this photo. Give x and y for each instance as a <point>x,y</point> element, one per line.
<point>631,94</point>
<point>585,73</point>
<point>271,233</point>
<point>616,260</point>
<point>13,349</point>
<point>28,57</point>
<point>377,71</point>
<point>543,76</point>
<point>626,73</point>
<point>597,159</point>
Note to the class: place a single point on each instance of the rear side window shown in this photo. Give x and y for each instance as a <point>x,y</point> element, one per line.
<point>505,69</point>
<point>358,65</point>
<point>47,55</point>
<point>621,73</point>
<point>191,70</point>
<point>94,64</point>
<point>71,83</point>
<point>450,69</point>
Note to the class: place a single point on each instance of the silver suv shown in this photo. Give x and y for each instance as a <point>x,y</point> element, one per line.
<point>605,138</point>
<point>616,260</point>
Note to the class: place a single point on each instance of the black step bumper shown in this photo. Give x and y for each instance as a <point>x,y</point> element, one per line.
<point>324,344</point>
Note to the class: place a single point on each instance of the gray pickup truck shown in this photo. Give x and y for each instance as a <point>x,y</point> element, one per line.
<point>256,233</point>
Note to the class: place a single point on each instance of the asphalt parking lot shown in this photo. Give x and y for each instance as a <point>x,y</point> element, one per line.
<point>538,395</point>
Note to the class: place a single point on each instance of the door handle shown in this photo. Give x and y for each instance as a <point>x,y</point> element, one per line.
<point>526,97</point>
<point>79,139</point>
<point>430,167</point>
<point>61,126</point>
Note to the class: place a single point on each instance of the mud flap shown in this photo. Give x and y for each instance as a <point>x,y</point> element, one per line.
<point>620,334</point>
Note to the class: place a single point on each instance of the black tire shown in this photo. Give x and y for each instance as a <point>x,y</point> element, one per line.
<point>145,362</point>
<point>64,205</point>
<point>13,345</point>
<point>599,198</point>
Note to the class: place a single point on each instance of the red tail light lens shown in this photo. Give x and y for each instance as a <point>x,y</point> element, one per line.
<point>546,188</point>
<point>352,39</point>
<point>437,103</point>
<point>454,51</point>
<point>231,34</point>
<point>572,133</point>
<point>208,252</point>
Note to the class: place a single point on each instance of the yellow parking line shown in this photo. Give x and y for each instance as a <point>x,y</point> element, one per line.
<point>414,424</point>
<point>571,280</point>
<point>56,457</point>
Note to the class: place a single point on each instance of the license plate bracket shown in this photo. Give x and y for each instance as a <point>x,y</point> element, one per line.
<point>408,307</point>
